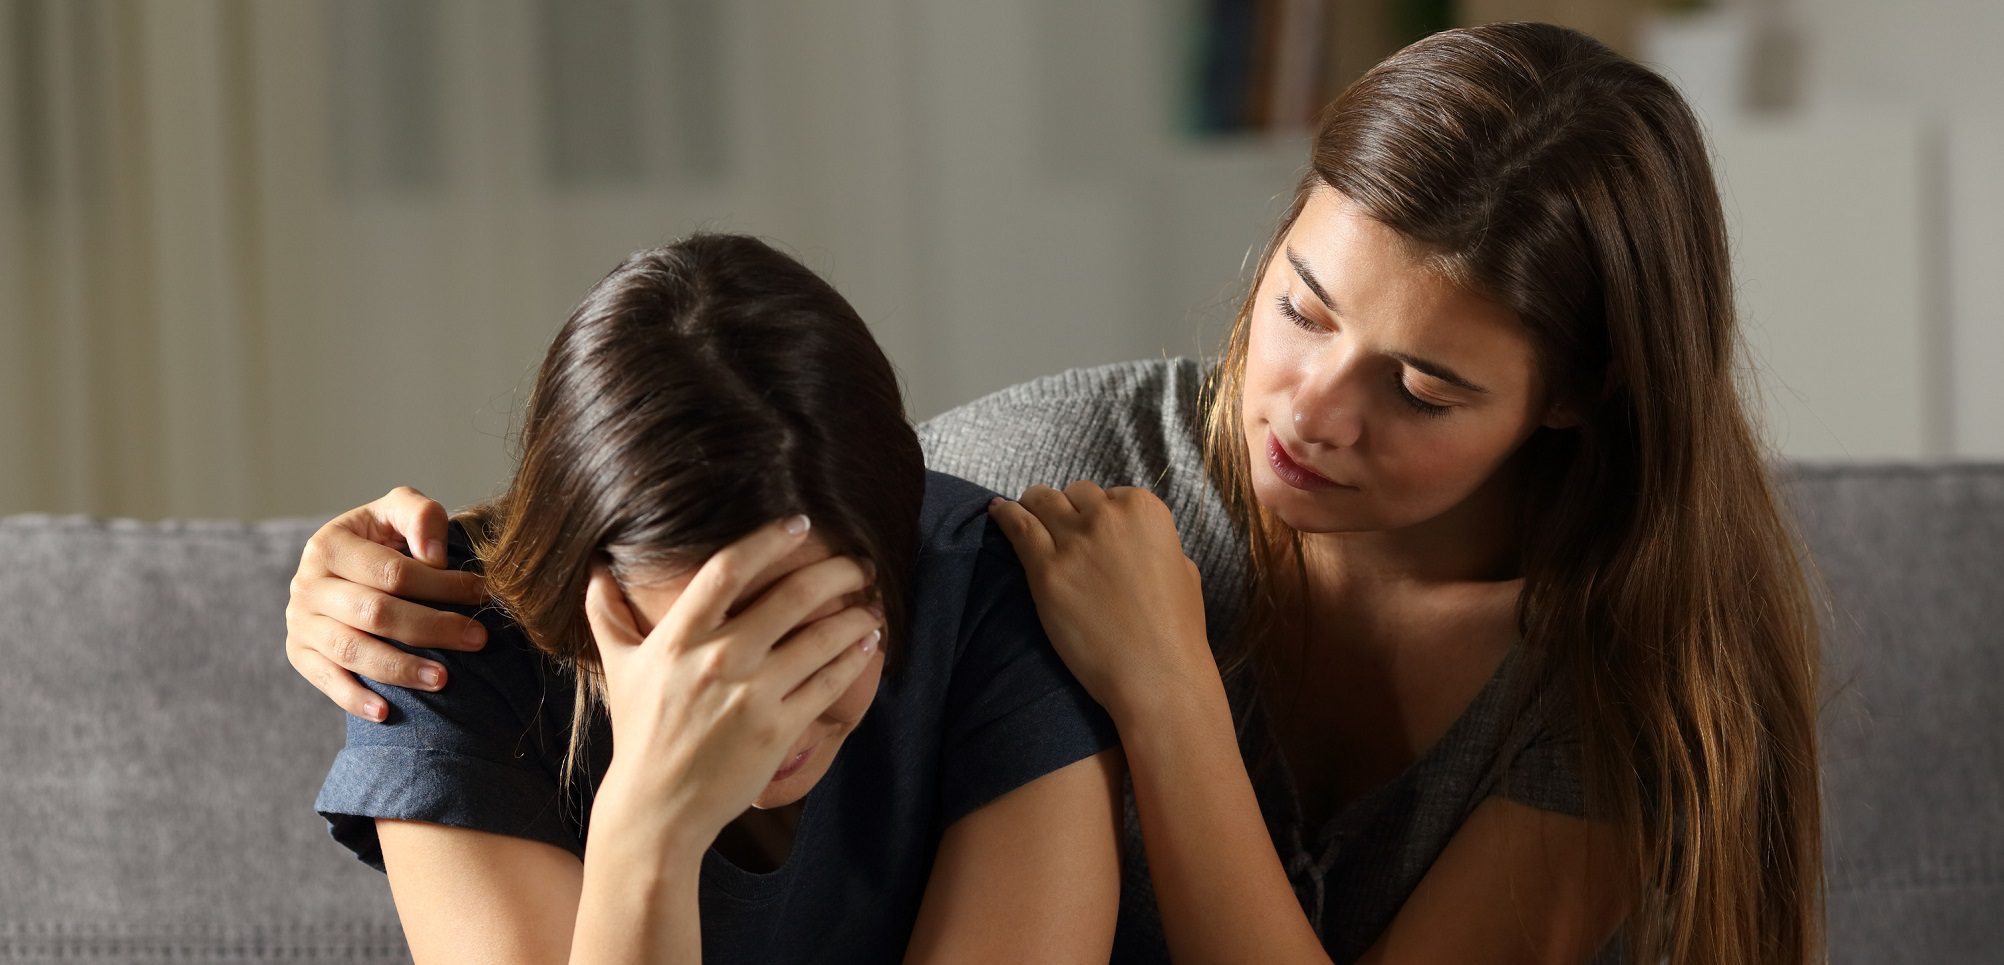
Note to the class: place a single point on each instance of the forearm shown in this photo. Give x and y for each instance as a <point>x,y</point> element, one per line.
<point>638,903</point>
<point>1219,885</point>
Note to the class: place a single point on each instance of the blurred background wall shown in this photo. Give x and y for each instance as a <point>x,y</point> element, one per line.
<point>271,257</point>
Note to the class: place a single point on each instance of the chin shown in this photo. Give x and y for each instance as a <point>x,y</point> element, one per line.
<point>791,788</point>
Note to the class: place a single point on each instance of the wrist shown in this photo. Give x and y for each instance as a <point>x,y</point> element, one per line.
<point>1172,701</point>
<point>662,827</point>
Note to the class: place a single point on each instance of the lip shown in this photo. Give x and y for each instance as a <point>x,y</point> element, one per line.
<point>793,764</point>
<point>1293,472</point>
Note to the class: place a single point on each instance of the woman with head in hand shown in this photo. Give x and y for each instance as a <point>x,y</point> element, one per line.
<point>756,686</point>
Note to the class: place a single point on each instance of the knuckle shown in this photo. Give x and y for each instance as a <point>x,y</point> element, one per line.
<point>394,666</point>
<point>347,651</point>
<point>723,571</point>
<point>713,667</point>
<point>369,613</point>
<point>393,575</point>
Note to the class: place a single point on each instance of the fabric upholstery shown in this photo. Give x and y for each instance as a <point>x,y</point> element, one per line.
<point>158,757</point>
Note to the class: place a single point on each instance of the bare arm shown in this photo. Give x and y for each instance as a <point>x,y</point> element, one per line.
<point>467,895</point>
<point>1033,876</point>
<point>472,896</point>
<point>1219,885</point>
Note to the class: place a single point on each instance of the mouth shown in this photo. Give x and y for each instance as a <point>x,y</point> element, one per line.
<point>793,764</point>
<point>1293,472</point>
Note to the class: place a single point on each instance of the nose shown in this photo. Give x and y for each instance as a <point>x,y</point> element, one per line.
<point>1328,409</point>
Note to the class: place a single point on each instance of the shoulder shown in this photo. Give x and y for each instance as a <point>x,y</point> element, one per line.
<point>1128,424</point>
<point>953,518</point>
<point>1122,424</point>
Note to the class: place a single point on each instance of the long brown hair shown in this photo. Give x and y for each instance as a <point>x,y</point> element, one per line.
<point>1663,586</point>
<point>699,391</point>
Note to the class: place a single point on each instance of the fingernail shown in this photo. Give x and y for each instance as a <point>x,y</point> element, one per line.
<point>475,634</point>
<point>870,642</point>
<point>434,550</point>
<point>373,709</point>
<point>796,525</point>
<point>996,501</point>
<point>877,610</point>
<point>431,676</point>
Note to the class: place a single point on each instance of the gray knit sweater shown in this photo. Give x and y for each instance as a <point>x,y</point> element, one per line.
<point>1138,424</point>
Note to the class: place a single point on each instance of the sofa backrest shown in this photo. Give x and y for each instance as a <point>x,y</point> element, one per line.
<point>1913,718</point>
<point>158,757</point>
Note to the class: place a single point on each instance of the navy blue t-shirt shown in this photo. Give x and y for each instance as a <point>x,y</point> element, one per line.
<point>981,705</point>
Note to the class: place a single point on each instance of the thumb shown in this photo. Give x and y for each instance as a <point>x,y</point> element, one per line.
<point>419,519</point>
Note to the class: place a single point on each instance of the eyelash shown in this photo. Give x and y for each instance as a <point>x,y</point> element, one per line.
<point>1405,395</point>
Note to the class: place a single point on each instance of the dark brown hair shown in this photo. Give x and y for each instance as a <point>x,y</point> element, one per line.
<point>1663,587</point>
<point>700,390</point>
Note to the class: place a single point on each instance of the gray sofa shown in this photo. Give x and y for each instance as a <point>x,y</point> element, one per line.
<point>158,758</point>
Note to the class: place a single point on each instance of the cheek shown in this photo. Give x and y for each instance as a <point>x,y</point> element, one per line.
<point>1432,468</point>
<point>1269,360</point>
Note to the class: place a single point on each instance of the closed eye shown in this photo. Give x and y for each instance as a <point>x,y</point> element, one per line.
<point>1418,404</point>
<point>1287,309</point>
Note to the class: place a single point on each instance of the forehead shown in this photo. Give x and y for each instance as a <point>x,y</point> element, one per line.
<point>1388,287</point>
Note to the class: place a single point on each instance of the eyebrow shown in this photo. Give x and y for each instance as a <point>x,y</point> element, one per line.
<point>1434,369</point>
<point>1308,277</point>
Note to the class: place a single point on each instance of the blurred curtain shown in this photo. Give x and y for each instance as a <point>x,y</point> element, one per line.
<point>244,245</point>
<point>129,362</point>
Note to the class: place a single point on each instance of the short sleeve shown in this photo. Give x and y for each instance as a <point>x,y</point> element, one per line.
<point>1014,712</point>
<point>1545,771</point>
<point>476,754</point>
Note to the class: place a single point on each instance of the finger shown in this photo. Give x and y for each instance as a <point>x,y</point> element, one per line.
<point>1086,497</point>
<point>1022,528</point>
<point>374,611</point>
<point>608,613</point>
<point>817,644</point>
<point>826,685</point>
<point>805,594</point>
<point>722,579</point>
<point>359,653</point>
<point>1051,507</point>
<point>339,686</point>
<point>344,552</point>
